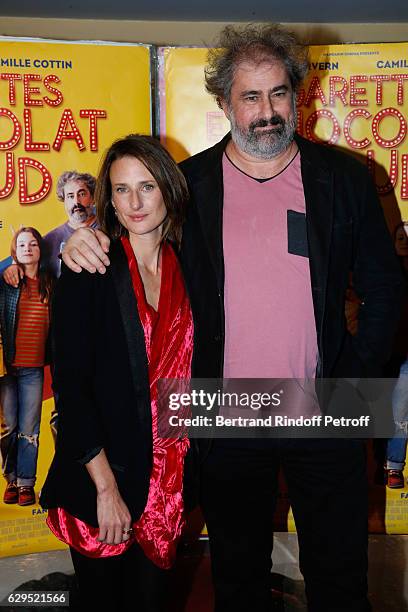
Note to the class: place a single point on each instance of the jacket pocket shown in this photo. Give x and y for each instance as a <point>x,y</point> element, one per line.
<point>297,233</point>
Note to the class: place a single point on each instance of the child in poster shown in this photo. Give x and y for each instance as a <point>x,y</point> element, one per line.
<point>24,315</point>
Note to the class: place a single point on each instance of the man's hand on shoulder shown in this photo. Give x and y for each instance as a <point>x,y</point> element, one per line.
<point>86,250</point>
<point>12,275</point>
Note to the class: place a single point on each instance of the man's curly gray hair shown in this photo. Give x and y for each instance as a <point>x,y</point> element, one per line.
<point>73,175</point>
<point>254,43</point>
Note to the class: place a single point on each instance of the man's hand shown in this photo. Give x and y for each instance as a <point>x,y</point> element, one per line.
<point>86,249</point>
<point>13,274</point>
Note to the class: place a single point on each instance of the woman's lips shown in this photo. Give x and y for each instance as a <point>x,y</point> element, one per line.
<point>137,217</point>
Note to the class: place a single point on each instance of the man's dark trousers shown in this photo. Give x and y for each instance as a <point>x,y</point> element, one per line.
<point>327,488</point>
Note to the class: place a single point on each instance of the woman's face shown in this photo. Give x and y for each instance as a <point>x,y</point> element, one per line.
<point>401,241</point>
<point>27,249</point>
<point>136,197</point>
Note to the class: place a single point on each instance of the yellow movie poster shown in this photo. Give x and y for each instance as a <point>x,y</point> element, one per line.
<point>61,105</point>
<point>356,98</point>
<point>190,119</point>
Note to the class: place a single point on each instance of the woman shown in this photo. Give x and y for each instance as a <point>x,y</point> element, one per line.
<point>115,489</point>
<point>24,312</point>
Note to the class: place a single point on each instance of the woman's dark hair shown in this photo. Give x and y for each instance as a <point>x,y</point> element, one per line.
<point>164,170</point>
<point>46,279</point>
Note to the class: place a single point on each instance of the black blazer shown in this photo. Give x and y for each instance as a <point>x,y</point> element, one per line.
<point>102,389</point>
<point>346,232</point>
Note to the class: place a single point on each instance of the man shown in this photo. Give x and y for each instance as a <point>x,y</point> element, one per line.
<point>275,225</point>
<point>76,191</point>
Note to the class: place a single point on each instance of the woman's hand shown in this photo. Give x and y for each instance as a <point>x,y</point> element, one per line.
<point>113,517</point>
<point>86,249</point>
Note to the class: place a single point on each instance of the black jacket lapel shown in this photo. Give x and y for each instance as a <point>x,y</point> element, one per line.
<point>133,329</point>
<point>318,185</point>
<point>208,195</point>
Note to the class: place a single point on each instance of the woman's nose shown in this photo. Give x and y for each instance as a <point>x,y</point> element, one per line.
<point>136,202</point>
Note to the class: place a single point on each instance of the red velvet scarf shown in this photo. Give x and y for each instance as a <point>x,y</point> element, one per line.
<point>169,345</point>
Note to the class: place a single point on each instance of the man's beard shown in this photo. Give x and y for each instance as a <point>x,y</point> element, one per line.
<point>265,144</point>
<point>80,213</point>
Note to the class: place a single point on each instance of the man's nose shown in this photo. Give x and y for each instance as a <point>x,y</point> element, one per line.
<point>268,109</point>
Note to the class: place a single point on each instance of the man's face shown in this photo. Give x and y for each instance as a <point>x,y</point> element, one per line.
<point>261,109</point>
<point>78,201</point>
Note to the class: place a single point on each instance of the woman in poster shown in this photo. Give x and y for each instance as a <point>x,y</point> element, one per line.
<point>24,315</point>
<point>115,488</point>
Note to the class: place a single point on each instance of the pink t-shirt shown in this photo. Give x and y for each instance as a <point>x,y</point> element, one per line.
<point>269,319</point>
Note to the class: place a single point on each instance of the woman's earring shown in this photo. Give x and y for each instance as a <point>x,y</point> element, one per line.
<point>114,208</point>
